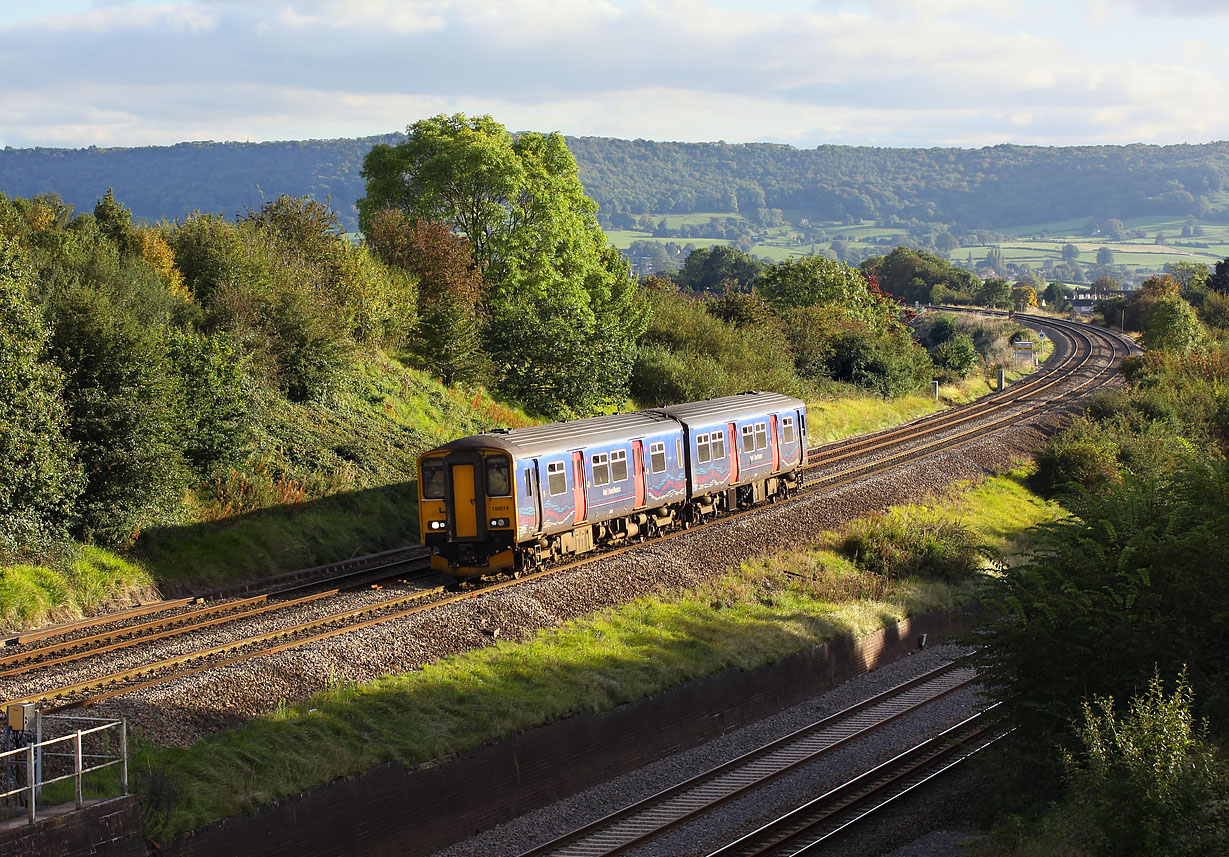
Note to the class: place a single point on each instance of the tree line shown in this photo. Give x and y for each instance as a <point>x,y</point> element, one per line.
<point>960,189</point>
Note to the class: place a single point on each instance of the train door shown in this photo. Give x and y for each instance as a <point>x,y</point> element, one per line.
<point>732,446</point>
<point>578,487</point>
<point>464,502</point>
<point>774,443</point>
<point>638,470</point>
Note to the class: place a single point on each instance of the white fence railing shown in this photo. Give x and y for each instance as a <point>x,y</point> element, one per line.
<point>86,745</point>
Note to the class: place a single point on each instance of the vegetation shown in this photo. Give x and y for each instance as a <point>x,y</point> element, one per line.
<point>1124,596</point>
<point>749,616</point>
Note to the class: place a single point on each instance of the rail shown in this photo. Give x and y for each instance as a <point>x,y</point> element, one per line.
<point>83,749</point>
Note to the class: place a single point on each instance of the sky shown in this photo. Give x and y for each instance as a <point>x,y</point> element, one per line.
<point>964,73</point>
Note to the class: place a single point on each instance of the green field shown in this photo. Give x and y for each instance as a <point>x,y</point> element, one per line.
<point>1035,245</point>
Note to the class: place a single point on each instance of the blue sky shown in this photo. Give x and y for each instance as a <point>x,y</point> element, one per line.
<point>803,72</point>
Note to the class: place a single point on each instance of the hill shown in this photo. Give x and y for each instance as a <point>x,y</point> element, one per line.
<point>996,187</point>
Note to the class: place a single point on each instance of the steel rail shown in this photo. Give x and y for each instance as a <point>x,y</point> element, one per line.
<point>838,450</point>
<point>653,816</point>
<point>128,636</point>
<point>803,829</point>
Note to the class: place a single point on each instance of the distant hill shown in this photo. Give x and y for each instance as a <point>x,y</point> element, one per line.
<point>993,187</point>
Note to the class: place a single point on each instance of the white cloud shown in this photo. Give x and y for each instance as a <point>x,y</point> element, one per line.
<point>883,72</point>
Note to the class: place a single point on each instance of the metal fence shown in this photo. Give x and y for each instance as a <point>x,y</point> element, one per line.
<point>59,749</point>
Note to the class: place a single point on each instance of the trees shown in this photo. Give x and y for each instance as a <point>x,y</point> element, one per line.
<point>1071,253</point>
<point>717,268</point>
<point>816,281</point>
<point>1140,564</point>
<point>39,481</point>
<point>1172,326</point>
<point>562,314</point>
<point>1105,257</point>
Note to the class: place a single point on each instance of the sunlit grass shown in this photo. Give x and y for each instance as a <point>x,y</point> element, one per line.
<point>83,580</point>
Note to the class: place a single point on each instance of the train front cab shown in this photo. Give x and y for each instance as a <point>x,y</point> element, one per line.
<point>467,510</point>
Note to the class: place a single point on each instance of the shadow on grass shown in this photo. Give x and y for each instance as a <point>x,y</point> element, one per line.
<point>188,559</point>
<point>481,695</point>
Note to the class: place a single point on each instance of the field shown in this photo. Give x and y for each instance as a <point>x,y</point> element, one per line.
<point>1146,246</point>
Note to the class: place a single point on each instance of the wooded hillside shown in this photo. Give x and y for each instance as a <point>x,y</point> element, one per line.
<point>999,186</point>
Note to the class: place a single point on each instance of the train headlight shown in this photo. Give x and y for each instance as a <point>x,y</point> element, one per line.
<point>436,525</point>
<point>499,522</point>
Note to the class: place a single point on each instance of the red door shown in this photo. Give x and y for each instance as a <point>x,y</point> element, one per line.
<point>773,444</point>
<point>638,470</point>
<point>732,446</point>
<point>578,487</point>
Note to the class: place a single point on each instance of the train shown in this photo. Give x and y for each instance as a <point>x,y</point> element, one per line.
<point>513,500</point>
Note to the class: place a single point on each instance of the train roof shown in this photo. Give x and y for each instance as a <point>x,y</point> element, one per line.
<point>731,407</point>
<point>560,437</point>
<point>554,438</point>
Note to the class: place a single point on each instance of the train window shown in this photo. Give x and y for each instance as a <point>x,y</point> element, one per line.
<point>528,483</point>
<point>748,434</point>
<point>556,478</point>
<point>787,429</point>
<point>618,465</point>
<point>657,457</point>
<point>434,481</point>
<point>702,449</point>
<point>498,476</point>
<point>678,450</point>
<point>761,435</point>
<point>601,468</point>
<point>718,442</point>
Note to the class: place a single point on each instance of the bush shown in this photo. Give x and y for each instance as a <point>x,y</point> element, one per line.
<point>1082,457</point>
<point>920,544</point>
<point>1146,783</point>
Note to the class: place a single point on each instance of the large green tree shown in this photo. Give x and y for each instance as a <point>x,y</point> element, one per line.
<point>563,313</point>
<point>38,479</point>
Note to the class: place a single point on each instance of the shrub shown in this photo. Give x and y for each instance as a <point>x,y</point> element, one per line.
<point>1145,783</point>
<point>918,544</point>
<point>1082,457</point>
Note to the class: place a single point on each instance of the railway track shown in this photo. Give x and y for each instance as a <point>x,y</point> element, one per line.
<point>647,820</point>
<point>805,829</point>
<point>43,673</point>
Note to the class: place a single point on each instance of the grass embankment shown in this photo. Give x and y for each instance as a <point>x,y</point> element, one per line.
<point>85,580</point>
<point>749,616</point>
<point>326,480</point>
<point>323,481</point>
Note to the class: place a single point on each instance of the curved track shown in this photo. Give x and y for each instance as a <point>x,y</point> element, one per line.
<point>1086,361</point>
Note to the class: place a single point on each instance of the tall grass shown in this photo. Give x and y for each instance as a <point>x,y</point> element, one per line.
<point>84,580</point>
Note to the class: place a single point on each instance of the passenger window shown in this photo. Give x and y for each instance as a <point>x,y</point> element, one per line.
<point>718,443</point>
<point>556,478</point>
<point>702,450</point>
<point>678,450</point>
<point>748,434</point>
<point>528,483</point>
<point>618,465</point>
<point>601,469</point>
<point>787,429</point>
<point>434,481</point>
<point>761,435</point>
<point>657,457</point>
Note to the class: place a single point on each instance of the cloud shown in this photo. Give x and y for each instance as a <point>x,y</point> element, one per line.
<point>881,72</point>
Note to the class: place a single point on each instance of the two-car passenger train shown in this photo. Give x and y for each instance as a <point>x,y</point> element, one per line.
<point>510,500</point>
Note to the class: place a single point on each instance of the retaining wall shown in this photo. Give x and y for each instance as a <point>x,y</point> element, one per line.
<point>399,812</point>
<point>103,828</point>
